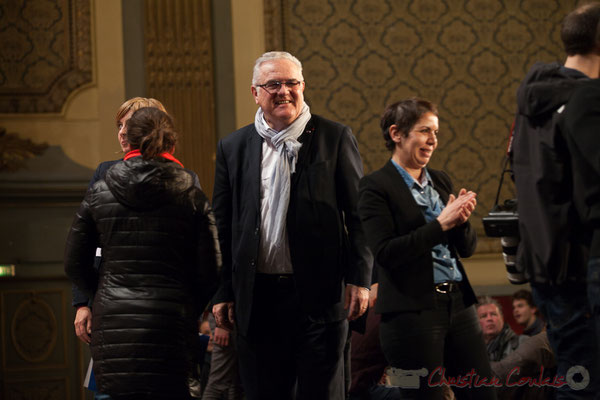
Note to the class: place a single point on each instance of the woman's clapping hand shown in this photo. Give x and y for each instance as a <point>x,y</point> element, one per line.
<point>458,209</point>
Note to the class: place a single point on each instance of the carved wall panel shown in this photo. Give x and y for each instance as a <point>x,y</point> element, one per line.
<point>179,72</point>
<point>33,330</point>
<point>33,336</point>
<point>46,53</point>
<point>47,389</point>
<point>467,56</point>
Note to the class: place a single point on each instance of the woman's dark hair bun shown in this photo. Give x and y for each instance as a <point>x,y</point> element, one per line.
<point>151,131</point>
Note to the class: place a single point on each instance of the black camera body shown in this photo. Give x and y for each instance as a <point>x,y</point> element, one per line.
<point>502,220</point>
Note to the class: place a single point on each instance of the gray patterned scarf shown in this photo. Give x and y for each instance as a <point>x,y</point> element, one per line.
<point>287,146</point>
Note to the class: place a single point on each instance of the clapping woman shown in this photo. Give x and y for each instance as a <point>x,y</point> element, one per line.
<point>417,229</point>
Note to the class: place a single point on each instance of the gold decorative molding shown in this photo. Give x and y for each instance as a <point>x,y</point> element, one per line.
<point>46,54</point>
<point>179,72</point>
<point>14,151</point>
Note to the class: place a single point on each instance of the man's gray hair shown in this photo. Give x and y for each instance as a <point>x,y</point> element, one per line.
<point>484,300</point>
<point>270,56</point>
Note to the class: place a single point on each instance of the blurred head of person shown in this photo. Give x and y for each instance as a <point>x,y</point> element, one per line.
<point>524,311</point>
<point>579,30</point>
<point>126,111</point>
<point>152,132</point>
<point>490,317</point>
<point>410,128</point>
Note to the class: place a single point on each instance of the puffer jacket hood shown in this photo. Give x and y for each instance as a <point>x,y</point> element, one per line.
<point>147,184</point>
<point>545,88</point>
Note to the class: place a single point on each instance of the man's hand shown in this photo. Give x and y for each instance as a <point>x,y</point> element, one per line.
<point>83,324</point>
<point>373,295</point>
<point>224,316</point>
<point>221,337</point>
<point>356,301</point>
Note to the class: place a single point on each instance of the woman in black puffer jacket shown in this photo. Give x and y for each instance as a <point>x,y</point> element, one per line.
<point>160,257</point>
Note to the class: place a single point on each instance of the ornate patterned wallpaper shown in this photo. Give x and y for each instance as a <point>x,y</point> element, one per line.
<point>467,56</point>
<point>45,53</point>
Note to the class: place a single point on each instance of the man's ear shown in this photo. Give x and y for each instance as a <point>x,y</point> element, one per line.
<point>254,94</point>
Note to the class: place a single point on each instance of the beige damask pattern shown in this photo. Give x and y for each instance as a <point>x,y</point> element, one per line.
<point>468,56</point>
<point>45,53</point>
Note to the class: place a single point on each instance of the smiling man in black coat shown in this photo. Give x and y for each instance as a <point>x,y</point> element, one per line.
<point>296,267</point>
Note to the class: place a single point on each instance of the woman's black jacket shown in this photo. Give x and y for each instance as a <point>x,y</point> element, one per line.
<point>160,257</point>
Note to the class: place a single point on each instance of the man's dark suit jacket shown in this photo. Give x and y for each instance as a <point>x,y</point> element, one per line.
<point>401,240</point>
<point>327,245</point>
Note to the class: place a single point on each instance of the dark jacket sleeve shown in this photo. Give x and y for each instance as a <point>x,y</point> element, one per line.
<point>208,254</point>
<point>581,120</point>
<point>80,298</point>
<point>533,352</point>
<point>390,234</point>
<point>379,224</point>
<point>463,237</point>
<point>222,211</point>
<point>348,175</point>
<point>80,250</point>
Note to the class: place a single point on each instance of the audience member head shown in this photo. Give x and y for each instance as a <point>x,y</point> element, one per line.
<point>404,114</point>
<point>579,30</point>
<point>125,112</point>
<point>278,88</point>
<point>524,310</point>
<point>490,317</point>
<point>152,132</point>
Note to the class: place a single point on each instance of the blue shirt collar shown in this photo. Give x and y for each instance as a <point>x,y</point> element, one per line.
<point>410,181</point>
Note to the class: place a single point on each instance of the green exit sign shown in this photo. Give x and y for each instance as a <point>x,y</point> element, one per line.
<point>7,270</point>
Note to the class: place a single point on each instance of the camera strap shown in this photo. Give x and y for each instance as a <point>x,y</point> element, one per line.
<point>510,138</point>
<point>507,158</point>
<point>504,171</point>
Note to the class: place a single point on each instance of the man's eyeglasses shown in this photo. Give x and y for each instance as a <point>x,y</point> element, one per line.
<point>274,86</point>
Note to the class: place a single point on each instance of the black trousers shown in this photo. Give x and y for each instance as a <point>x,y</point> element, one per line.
<point>446,341</point>
<point>285,355</point>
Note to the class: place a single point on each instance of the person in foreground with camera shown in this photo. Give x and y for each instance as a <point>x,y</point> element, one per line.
<point>417,228</point>
<point>554,238</point>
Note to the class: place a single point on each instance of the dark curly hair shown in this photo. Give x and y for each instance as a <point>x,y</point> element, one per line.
<point>524,295</point>
<point>404,114</point>
<point>151,130</point>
